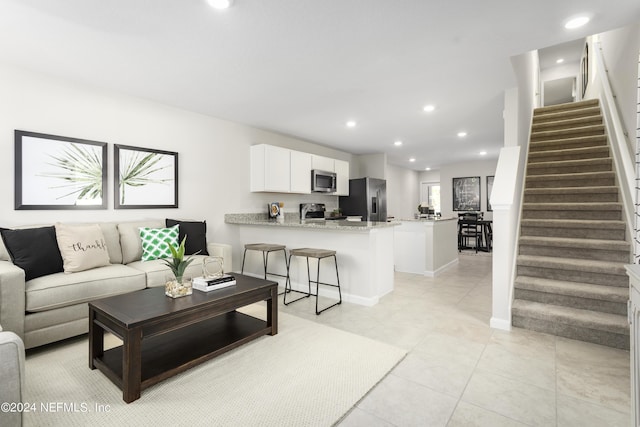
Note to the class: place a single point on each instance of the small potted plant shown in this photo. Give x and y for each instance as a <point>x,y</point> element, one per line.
<point>178,285</point>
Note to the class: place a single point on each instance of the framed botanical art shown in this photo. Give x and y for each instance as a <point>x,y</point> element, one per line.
<point>466,194</point>
<point>59,172</point>
<point>489,189</point>
<point>145,178</point>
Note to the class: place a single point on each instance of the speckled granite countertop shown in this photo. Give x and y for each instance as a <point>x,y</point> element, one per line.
<point>428,220</point>
<point>293,220</point>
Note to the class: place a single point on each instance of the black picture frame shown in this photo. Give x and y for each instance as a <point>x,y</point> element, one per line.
<point>466,193</point>
<point>489,189</point>
<point>58,172</point>
<point>144,178</point>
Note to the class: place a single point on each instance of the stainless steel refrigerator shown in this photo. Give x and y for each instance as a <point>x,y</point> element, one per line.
<point>367,198</point>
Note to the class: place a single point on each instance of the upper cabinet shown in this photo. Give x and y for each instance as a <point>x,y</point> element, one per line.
<point>270,168</point>
<point>280,170</point>
<point>300,172</point>
<point>322,163</point>
<point>342,170</point>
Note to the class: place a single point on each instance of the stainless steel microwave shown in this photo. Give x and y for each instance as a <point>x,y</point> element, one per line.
<point>323,181</point>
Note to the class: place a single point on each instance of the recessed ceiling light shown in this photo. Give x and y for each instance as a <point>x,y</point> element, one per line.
<point>483,153</point>
<point>220,4</point>
<point>397,143</point>
<point>427,169</point>
<point>462,134</point>
<point>351,124</point>
<point>429,108</point>
<point>413,159</point>
<point>576,22</point>
<point>559,60</point>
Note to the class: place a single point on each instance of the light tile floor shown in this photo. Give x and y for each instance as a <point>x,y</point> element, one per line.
<point>460,372</point>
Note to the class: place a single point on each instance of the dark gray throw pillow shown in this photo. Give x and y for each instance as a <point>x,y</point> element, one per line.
<point>196,233</point>
<point>35,250</point>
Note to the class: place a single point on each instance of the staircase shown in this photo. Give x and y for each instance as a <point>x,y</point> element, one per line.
<point>571,279</point>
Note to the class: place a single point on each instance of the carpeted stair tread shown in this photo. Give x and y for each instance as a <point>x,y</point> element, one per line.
<point>569,153</point>
<point>559,115</point>
<point>571,142</point>
<point>564,123</point>
<point>564,242</point>
<point>574,223</point>
<point>573,316</point>
<point>581,177</point>
<point>567,133</point>
<point>588,206</point>
<point>573,289</point>
<point>588,266</point>
<point>602,189</point>
<point>573,228</point>
<point>573,162</point>
<point>568,106</point>
<point>600,194</point>
<point>605,211</point>
<point>570,166</point>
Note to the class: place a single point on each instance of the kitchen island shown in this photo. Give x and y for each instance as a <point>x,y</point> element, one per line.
<point>364,251</point>
<point>426,246</point>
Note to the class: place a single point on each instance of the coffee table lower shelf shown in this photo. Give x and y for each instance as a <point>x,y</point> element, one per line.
<point>170,353</point>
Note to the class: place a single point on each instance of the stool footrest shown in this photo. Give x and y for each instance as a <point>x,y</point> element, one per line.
<point>319,254</point>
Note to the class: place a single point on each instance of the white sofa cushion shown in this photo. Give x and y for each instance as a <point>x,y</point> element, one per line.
<point>112,237</point>
<point>60,290</point>
<point>130,238</point>
<point>82,247</point>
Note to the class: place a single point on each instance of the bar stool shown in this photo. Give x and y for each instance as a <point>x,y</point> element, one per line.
<point>266,249</point>
<point>318,254</point>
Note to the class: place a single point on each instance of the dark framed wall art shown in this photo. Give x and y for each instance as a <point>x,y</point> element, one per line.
<point>145,178</point>
<point>59,172</point>
<point>489,190</point>
<point>466,194</point>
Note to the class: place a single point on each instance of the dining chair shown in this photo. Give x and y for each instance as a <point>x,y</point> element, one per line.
<point>469,228</point>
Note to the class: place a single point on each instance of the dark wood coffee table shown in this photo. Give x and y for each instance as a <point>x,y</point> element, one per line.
<point>163,336</point>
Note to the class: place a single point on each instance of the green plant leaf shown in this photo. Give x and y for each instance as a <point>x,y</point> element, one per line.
<point>80,168</point>
<point>178,264</point>
<point>138,171</point>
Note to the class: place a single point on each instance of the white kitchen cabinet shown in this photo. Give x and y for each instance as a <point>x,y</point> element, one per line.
<point>270,168</point>
<point>342,171</point>
<point>300,172</point>
<point>322,163</point>
<point>280,170</point>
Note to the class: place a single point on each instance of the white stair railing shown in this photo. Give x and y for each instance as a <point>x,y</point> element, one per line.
<point>622,157</point>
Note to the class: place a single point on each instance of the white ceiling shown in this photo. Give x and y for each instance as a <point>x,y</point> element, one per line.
<point>305,67</point>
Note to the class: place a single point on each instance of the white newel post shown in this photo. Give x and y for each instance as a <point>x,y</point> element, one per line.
<point>505,228</point>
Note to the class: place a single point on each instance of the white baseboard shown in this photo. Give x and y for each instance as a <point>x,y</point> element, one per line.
<point>434,273</point>
<point>501,324</point>
<point>333,294</point>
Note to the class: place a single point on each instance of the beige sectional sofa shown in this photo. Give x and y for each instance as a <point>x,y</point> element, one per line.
<point>11,377</point>
<point>54,307</point>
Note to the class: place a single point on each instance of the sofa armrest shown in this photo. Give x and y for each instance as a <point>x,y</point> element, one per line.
<point>222,250</point>
<point>12,298</point>
<point>11,376</point>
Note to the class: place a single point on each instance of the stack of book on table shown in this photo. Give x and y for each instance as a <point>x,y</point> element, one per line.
<point>206,285</point>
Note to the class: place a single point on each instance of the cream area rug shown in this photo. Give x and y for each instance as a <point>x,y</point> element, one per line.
<point>306,375</point>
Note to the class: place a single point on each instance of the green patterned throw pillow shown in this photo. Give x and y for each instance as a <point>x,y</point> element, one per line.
<point>156,241</point>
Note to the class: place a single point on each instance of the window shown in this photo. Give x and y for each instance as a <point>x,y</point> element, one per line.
<point>430,193</point>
